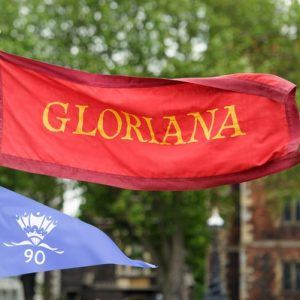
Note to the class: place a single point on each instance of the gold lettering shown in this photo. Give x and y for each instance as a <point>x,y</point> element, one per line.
<point>79,129</point>
<point>131,126</point>
<point>198,119</point>
<point>173,123</point>
<point>55,119</point>
<point>63,121</point>
<point>149,124</point>
<point>235,124</point>
<point>101,124</point>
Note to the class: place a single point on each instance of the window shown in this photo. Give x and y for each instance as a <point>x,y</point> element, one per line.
<point>287,272</point>
<point>298,276</point>
<point>291,211</point>
<point>298,211</point>
<point>72,296</point>
<point>8,295</point>
<point>287,211</point>
<point>291,276</point>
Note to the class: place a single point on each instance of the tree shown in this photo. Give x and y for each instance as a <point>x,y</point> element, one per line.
<point>171,226</point>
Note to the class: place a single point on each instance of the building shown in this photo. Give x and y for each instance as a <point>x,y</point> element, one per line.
<point>109,283</point>
<point>11,289</point>
<point>263,248</point>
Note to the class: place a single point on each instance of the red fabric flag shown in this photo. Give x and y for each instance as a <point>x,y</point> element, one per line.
<point>145,133</point>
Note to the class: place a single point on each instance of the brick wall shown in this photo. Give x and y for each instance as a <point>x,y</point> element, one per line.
<point>264,244</point>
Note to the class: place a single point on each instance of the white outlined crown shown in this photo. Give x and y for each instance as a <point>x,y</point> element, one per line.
<point>36,226</point>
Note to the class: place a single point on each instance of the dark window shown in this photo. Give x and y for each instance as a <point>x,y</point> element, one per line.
<point>298,276</point>
<point>291,276</point>
<point>298,210</point>
<point>287,276</point>
<point>72,296</point>
<point>291,211</point>
<point>287,212</point>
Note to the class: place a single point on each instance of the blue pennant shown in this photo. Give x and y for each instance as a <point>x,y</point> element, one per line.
<point>36,238</point>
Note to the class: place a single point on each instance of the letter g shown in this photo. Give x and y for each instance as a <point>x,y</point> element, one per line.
<point>63,121</point>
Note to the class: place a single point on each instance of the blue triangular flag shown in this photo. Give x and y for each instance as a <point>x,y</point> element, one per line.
<point>36,238</point>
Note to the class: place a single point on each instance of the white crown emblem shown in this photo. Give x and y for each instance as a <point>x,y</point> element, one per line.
<point>36,226</point>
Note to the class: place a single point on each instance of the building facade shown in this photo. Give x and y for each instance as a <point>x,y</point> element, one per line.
<point>263,251</point>
<point>11,289</point>
<point>109,283</point>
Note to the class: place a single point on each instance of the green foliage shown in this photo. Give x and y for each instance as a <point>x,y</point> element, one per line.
<point>152,218</point>
<point>284,184</point>
<point>42,188</point>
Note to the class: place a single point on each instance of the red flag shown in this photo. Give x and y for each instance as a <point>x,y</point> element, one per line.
<point>145,133</point>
